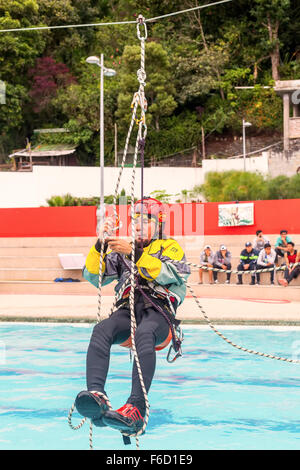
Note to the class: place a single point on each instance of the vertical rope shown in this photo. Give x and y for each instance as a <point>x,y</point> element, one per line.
<point>139,100</point>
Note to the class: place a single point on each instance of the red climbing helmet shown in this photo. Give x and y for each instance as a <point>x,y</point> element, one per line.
<point>152,207</point>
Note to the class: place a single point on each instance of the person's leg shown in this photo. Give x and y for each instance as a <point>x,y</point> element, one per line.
<point>272,273</point>
<point>279,252</point>
<point>91,403</point>
<point>252,267</point>
<point>210,274</point>
<point>200,276</point>
<point>294,274</point>
<point>215,273</point>
<point>114,329</point>
<point>228,275</point>
<point>151,331</point>
<point>286,272</point>
<point>258,267</point>
<point>240,268</point>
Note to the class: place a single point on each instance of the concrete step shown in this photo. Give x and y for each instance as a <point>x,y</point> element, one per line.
<point>219,291</point>
<point>34,242</point>
<point>50,273</point>
<point>30,262</point>
<point>52,288</point>
<point>37,274</point>
<point>43,251</point>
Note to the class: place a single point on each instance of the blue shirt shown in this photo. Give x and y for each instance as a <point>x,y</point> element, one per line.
<point>279,241</point>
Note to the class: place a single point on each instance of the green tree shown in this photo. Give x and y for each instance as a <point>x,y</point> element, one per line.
<point>271,15</point>
<point>159,88</point>
<point>234,186</point>
<point>18,50</point>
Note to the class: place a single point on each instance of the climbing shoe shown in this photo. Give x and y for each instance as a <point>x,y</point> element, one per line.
<point>125,419</point>
<point>91,405</point>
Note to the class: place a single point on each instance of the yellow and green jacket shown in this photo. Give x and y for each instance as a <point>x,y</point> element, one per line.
<point>154,267</point>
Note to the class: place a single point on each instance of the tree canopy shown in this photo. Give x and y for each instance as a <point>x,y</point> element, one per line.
<point>194,62</point>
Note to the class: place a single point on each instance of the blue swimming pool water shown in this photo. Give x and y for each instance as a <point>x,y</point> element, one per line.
<point>215,397</point>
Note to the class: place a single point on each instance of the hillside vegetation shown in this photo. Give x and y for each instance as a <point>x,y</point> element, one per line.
<point>194,61</point>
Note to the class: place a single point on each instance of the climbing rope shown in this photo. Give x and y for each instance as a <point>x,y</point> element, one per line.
<point>139,100</point>
<point>235,271</point>
<point>84,419</point>
<point>142,131</point>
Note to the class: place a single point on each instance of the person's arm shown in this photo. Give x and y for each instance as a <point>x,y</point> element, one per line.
<point>162,270</point>
<point>297,260</point>
<point>260,259</point>
<point>227,258</point>
<point>202,259</point>
<point>278,242</point>
<point>243,257</point>
<point>110,266</point>
<point>216,261</point>
<point>254,256</point>
<point>211,259</point>
<point>287,262</point>
<point>273,254</point>
<point>254,244</point>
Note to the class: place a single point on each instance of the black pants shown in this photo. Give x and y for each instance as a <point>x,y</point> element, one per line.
<point>293,275</point>
<point>215,273</point>
<point>252,267</point>
<point>279,252</point>
<point>259,266</point>
<point>152,329</point>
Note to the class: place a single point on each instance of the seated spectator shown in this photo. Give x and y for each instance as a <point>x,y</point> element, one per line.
<point>281,245</point>
<point>292,272</point>
<point>222,260</point>
<point>289,260</point>
<point>248,259</point>
<point>259,241</point>
<point>206,259</point>
<point>266,259</point>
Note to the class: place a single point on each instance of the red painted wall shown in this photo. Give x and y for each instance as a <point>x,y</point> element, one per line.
<point>269,216</point>
<point>48,222</point>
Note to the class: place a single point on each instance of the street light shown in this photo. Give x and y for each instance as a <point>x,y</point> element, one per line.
<point>245,124</point>
<point>107,73</point>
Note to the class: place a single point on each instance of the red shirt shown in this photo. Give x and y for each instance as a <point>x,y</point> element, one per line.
<point>292,258</point>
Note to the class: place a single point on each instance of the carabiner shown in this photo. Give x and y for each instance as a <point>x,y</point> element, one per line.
<point>178,354</point>
<point>141,22</point>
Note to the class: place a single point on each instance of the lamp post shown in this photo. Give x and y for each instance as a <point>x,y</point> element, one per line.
<point>107,73</point>
<point>245,124</point>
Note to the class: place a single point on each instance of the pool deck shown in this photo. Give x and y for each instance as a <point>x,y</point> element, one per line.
<point>83,308</point>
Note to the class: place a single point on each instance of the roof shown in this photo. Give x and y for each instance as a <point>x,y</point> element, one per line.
<point>46,150</point>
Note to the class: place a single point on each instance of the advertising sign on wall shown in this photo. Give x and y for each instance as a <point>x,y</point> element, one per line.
<point>236,214</point>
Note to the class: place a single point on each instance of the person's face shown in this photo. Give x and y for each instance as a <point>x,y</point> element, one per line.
<point>260,234</point>
<point>207,251</point>
<point>283,235</point>
<point>223,253</point>
<point>249,248</point>
<point>290,247</point>
<point>268,250</point>
<point>145,227</point>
